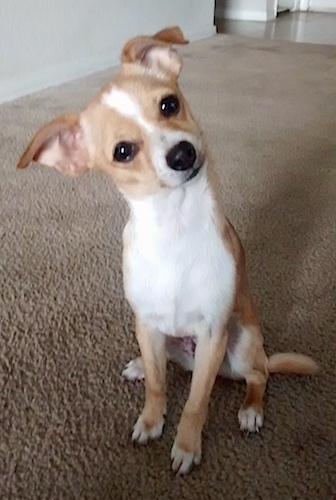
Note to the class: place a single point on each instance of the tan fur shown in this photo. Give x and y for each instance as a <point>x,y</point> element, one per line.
<point>244,310</point>
<point>292,363</point>
<point>139,178</point>
<point>255,389</point>
<point>74,143</point>
<point>137,48</point>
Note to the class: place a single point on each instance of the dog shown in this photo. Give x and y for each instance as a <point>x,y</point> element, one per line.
<point>183,264</point>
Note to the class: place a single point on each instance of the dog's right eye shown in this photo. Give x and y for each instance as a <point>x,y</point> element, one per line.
<point>125,152</point>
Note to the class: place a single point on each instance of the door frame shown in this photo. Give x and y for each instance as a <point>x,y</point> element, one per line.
<point>272,11</point>
<point>303,5</point>
<point>297,5</point>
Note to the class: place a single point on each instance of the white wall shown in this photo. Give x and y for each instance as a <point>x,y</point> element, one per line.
<point>322,6</point>
<point>48,42</point>
<point>246,10</point>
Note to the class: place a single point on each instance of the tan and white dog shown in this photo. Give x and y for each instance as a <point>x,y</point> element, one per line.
<point>183,263</point>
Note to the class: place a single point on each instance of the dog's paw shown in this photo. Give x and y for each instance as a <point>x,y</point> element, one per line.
<point>142,432</point>
<point>134,370</point>
<point>250,419</point>
<point>182,461</point>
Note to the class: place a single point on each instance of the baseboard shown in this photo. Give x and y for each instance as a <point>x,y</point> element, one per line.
<point>326,10</point>
<point>24,85</point>
<point>241,14</point>
<point>193,36</point>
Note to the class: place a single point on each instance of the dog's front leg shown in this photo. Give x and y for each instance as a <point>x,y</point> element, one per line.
<point>209,354</point>
<point>153,353</point>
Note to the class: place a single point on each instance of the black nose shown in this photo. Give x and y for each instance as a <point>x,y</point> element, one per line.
<point>181,156</point>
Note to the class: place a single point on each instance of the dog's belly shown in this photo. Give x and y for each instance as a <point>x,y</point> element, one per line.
<point>175,324</point>
<point>180,292</point>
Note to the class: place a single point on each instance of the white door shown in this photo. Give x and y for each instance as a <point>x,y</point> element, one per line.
<point>286,4</point>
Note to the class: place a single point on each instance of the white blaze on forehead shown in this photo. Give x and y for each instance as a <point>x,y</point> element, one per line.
<point>126,105</point>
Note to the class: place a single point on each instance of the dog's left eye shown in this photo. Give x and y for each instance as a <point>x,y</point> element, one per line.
<point>125,152</point>
<point>169,106</point>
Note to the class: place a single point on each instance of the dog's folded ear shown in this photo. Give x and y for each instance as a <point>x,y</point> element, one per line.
<point>156,52</point>
<point>171,35</point>
<point>59,144</point>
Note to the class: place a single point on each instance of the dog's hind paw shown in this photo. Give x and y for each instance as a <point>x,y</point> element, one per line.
<point>134,370</point>
<point>250,419</point>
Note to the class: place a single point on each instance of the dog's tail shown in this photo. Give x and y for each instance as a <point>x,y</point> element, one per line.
<point>290,362</point>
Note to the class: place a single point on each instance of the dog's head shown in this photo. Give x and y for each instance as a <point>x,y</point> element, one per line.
<point>138,129</point>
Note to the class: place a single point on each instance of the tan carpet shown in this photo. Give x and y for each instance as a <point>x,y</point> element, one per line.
<point>269,112</point>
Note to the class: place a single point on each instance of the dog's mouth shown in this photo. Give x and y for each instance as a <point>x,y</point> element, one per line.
<point>194,172</point>
<point>196,168</point>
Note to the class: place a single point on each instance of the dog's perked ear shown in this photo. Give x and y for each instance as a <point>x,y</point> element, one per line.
<point>156,52</point>
<point>59,144</point>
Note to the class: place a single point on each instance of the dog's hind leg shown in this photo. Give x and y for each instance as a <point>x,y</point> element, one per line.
<point>246,360</point>
<point>251,414</point>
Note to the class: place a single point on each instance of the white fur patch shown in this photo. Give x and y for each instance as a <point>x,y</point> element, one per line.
<point>134,370</point>
<point>180,277</point>
<point>126,105</point>
<point>240,364</point>
<point>250,420</point>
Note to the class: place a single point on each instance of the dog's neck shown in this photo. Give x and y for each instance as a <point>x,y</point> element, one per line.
<point>190,207</point>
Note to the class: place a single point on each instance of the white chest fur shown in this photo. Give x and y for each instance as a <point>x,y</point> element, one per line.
<point>178,276</point>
